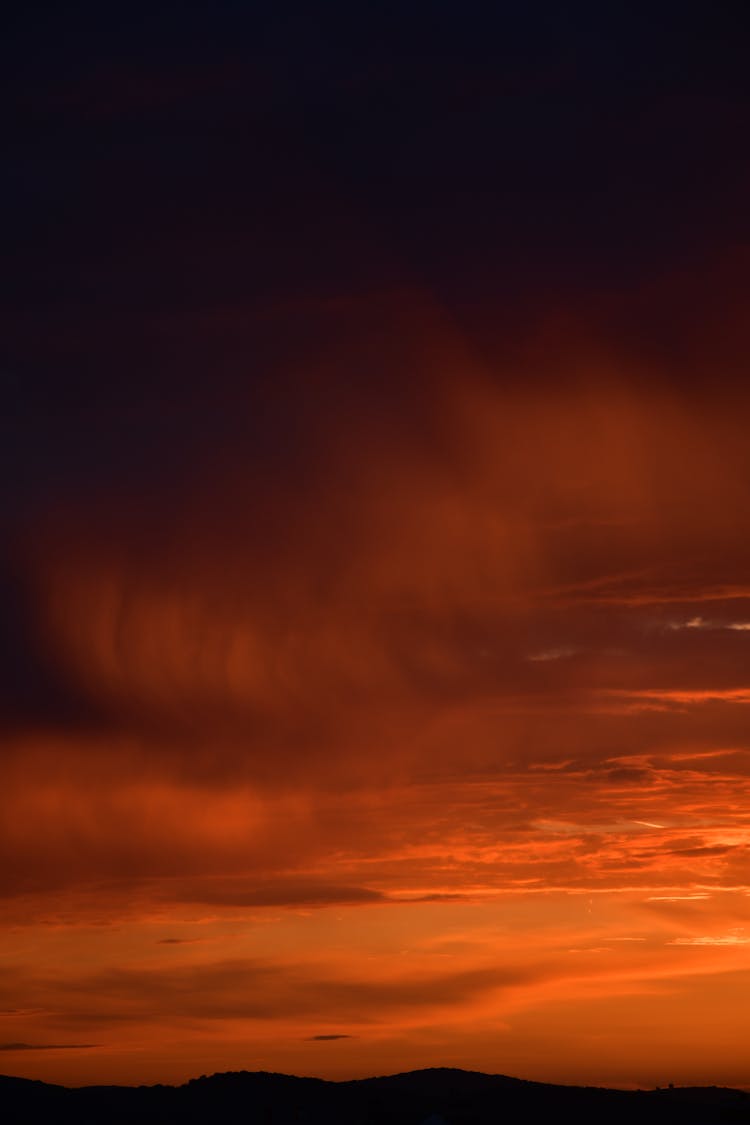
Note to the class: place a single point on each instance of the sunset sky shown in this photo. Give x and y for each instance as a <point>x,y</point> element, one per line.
<point>375,584</point>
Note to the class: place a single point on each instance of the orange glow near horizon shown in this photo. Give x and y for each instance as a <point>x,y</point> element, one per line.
<point>434,753</point>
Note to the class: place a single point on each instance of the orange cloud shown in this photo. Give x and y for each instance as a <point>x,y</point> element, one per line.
<point>403,731</point>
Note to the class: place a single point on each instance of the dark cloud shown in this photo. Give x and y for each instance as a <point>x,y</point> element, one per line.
<point>35,690</point>
<point>279,892</point>
<point>327,1038</point>
<point>629,775</point>
<point>47,1046</point>
<point>438,897</point>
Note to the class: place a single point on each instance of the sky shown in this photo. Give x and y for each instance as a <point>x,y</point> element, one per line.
<point>375,584</point>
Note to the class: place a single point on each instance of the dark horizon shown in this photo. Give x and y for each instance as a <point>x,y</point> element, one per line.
<point>413,1098</point>
<point>427,1072</point>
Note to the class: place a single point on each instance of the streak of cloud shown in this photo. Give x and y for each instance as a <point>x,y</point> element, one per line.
<point>47,1046</point>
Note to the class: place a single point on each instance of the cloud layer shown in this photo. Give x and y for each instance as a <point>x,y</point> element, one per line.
<point>375,591</point>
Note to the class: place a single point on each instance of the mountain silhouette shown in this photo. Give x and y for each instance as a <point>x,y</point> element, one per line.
<point>440,1096</point>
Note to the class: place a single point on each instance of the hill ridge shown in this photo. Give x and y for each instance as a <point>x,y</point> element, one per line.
<point>446,1094</point>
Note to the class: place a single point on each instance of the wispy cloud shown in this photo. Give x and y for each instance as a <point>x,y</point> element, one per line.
<point>564,652</point>
<point>47,1046</point>
<point>702,623</point>
<point>736,938</point>
<point>327,1038</point>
